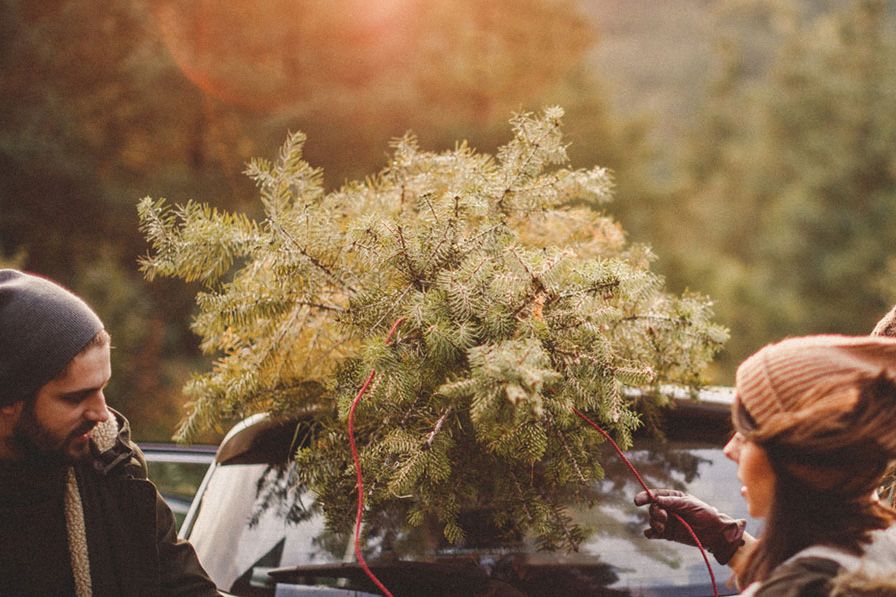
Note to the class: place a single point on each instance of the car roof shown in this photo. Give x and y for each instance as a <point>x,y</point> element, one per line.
<point>259,438</point>
<point>186,453</point>
<point>262,438</point>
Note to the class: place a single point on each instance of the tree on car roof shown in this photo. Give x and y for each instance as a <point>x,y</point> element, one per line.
<point>520,299</point>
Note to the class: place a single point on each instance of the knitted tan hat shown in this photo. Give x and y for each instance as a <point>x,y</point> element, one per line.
<point>780,377</point>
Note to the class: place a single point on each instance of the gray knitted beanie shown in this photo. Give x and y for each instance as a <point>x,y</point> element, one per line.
<point>43,326</point>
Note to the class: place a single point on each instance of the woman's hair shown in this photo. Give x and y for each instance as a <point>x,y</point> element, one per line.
<point>827,460</point>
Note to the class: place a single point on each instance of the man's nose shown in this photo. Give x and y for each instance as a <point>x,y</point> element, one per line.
<point>97,411</point>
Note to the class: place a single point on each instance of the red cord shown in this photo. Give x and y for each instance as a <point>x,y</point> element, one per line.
<point>357,460</point>
<point>637,475</point>
<point>360,511</point>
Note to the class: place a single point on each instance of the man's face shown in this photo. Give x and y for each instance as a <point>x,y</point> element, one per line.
<point>56,426</point>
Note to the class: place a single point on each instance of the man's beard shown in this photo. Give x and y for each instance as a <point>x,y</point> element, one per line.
<point>37,445</point>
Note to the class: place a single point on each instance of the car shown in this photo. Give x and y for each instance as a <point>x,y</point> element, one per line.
<point>177,471</point>
<point>253,541</point>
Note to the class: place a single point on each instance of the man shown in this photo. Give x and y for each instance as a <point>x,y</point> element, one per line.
<point>77,514</point>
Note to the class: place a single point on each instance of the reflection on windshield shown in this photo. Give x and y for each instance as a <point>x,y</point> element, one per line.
<point>252,520</point>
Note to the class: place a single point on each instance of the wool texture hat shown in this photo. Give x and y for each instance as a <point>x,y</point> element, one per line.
<point>43,327</point>
<point>782,377</point>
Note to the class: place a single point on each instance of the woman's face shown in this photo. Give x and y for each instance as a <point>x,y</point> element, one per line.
<point>755,472</point>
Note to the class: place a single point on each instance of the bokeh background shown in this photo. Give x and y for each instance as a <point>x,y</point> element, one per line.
<point>753,141</point>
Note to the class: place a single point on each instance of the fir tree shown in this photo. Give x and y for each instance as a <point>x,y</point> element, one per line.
<point>520,301</point>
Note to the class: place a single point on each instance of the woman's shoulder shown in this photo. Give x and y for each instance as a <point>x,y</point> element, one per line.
<point>875,574</point>
<point>828,572</point>
<point>822,577</point>
<point>861,584</point>
<point>804,577</point>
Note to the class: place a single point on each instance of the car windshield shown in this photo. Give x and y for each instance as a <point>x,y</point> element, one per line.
<point>245,528</point>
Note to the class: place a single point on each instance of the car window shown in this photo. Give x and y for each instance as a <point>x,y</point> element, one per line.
<point>240,532</point>
<point>177,472</point>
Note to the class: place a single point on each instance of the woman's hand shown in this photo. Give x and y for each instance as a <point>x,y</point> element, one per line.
<point>719,534</point>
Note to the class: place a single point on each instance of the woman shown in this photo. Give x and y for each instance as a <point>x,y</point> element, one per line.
<point>815,433</point>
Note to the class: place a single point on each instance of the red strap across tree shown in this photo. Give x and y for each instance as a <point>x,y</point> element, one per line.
<point>351,438</point>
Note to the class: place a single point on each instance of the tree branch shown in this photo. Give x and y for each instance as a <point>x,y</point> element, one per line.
<point>314,260</point>
<point>438,427</point>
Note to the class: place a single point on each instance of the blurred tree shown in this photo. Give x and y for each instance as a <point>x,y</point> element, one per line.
<point>353,75</point>
<point>78,128</point>
<point>100,105</point>
<point>786,216</point>
<point>15,261</point>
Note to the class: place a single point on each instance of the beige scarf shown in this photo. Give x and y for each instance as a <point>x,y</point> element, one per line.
<point>104,436</point>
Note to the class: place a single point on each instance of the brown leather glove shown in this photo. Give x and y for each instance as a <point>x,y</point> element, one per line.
<point>720,534</point>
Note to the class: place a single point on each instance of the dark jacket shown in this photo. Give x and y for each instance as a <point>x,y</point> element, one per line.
<point>131,533</point>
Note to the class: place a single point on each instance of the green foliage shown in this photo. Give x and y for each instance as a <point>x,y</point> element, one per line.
<point>519,301</point>
<point>786,215</point>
